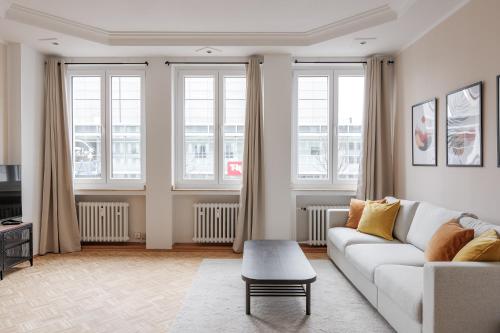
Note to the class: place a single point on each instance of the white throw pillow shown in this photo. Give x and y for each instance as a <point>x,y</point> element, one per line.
<point>428,218</point>
<point>406,213</point>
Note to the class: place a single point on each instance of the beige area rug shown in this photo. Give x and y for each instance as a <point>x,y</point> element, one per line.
<point>216,303</point>
<point>98,292</point>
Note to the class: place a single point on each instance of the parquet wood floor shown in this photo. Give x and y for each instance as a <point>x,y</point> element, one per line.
<point>102,290</point>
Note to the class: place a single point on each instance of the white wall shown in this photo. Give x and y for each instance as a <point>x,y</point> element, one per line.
<point>13,103</point>
<point>277,80</point>
<point>159,162</point>
<point>461,50</point>
<point>21,136</point>
<point>31,133</point>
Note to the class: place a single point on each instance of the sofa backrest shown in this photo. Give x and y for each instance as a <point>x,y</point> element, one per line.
<point>428,218</point>
<point>405,216</point>
<point>478,225</point>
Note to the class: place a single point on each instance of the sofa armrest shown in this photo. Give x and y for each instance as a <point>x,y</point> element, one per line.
<point>336,217</point>
<point>461,297</point>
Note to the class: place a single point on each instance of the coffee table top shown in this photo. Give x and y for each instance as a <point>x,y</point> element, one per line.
<point>275,262</point>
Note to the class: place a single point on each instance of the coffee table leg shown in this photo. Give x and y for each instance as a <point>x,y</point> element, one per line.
<point>308,299</point>
<point>247,298</point>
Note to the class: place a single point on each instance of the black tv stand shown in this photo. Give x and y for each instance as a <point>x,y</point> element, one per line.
<point>16,245</point>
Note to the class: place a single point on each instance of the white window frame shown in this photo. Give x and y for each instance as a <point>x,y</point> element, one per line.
<point>107,181</point>
<point>332,181</point>
<point>218,73</point>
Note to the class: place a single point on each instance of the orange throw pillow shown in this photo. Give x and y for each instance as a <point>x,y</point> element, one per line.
<point>447,241</point>
<point>356,210</point>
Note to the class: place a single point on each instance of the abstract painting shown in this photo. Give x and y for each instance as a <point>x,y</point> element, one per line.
<point>424,149</point>
<point>464,126</point>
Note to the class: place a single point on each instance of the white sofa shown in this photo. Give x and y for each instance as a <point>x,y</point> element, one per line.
<point>414,295</point>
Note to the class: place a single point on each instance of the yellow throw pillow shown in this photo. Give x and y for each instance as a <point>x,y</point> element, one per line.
<point>378,219</point>
<point>355,211</point>
<point>486,247</point>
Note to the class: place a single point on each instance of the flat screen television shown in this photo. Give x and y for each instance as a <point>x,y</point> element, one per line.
<point>10,192</point>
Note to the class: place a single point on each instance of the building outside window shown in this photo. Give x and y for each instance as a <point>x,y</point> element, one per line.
<point>328,109</point>
<point>107,127</point>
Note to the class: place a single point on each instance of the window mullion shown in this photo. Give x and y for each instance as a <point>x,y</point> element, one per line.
<point>220,124</point>
<point>105,128</point>
<point>333,124</point>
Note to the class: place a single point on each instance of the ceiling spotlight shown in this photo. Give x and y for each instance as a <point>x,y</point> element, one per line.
<point>208,50</point>
<point>363,42</point>
<point>55,43</point>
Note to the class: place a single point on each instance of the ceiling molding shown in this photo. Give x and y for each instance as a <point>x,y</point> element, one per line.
<point>336,29</point>
<point>4,6</point>
<point>450,13</point>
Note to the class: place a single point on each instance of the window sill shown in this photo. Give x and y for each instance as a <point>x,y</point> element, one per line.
<point>100,189</point>
<point>345,190</point>
<point>110,192</point>
<point>205,191</point>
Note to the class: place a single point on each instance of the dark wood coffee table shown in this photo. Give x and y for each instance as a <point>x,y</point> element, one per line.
<point>276,268</point>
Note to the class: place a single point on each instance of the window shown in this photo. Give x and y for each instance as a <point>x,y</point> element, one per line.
<point>210,124</point>
<point>107,117</point>
<point>328,109</point>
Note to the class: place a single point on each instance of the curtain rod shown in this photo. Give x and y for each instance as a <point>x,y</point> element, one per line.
<point>168,63</point>
<point>337,62</point>
<point>105,63</point>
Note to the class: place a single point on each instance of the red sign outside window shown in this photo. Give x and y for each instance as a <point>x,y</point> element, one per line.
<point>234,168</point>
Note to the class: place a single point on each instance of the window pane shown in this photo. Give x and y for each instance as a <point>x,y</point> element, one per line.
<point>234,126</point>
<point>312,128</point>
<point>126,127</point>
<point>86,108</point>
<point>199,140</point>
<point>350,116</point>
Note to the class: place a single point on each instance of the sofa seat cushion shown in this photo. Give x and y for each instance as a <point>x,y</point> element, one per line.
<point>367,257</point>
<point>343,237</point>
<point>404,285</point>
<point>428,218</point>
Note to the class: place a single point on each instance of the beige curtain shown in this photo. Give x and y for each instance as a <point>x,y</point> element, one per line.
<point>58,227</point>
<point>376,169</point>
<point>252,158</point>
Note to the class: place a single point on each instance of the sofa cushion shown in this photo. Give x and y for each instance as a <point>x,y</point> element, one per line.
<point>342,237</point>
<point>483,248</point>
<point>378,219</point>
<point>404,285</point>
<point>367,257</point>
<point>428,218</point>
<point>406,213</point>
<point>447,241</point>
<point>356,209</point>
<point>480,227</point>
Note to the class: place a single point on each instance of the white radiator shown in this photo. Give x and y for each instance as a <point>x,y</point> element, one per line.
<point>215,222</point>
<point>103,221</point>
<point>316,218</point>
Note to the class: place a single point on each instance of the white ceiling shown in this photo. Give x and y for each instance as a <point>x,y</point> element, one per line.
<point>136,28</point>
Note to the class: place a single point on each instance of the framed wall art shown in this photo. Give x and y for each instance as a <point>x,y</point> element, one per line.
<point>464,131</point>
<point>424,133</point>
